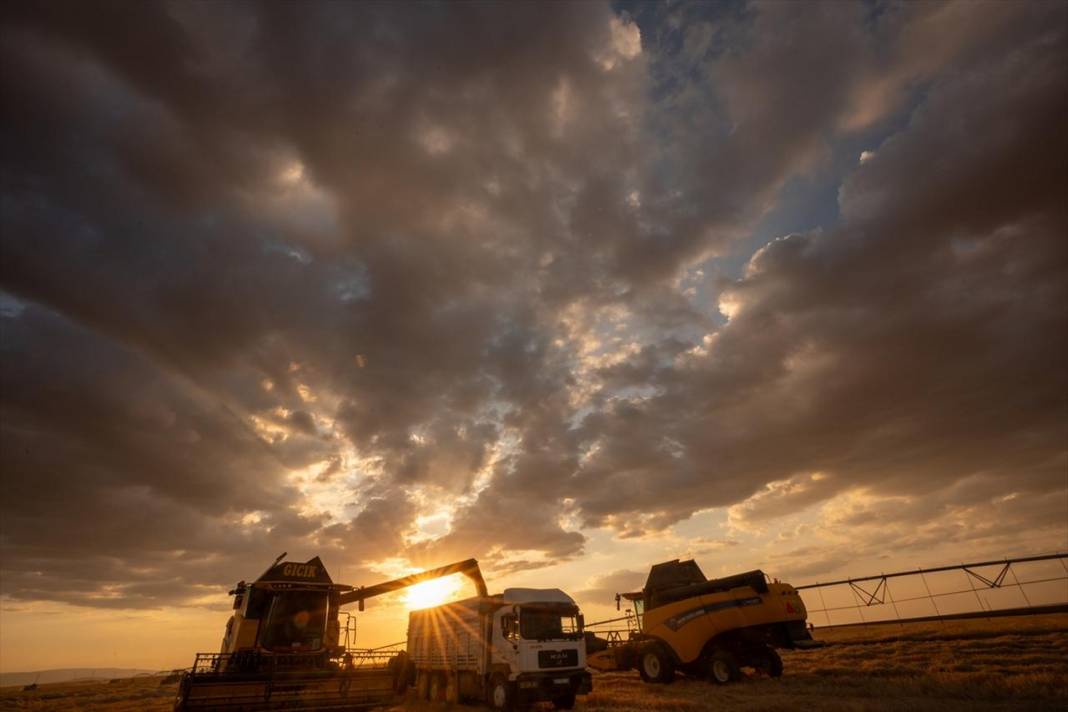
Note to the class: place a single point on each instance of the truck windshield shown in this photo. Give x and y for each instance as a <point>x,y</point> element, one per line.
<point>296,621</point>
<point>548,623</point>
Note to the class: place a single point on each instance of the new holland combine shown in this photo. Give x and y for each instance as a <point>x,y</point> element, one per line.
<point>283,645</point>
<point>705,628</point>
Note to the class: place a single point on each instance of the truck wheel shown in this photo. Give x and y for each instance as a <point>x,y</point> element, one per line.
<point>723,667</point>
<point>564,702</point>
<point>655,665</point>
<point>500,695</point>
<point>769,663</point>
<point>437,687</point>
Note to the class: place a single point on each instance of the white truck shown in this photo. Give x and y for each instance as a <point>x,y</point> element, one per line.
<point>522,646</point>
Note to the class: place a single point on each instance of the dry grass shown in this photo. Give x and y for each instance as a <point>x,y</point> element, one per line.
<point>131,695</point>
<point>979,664</point>
<point>998,664</point>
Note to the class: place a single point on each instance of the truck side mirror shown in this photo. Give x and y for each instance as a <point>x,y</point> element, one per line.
<point>581,622</point>
<point>617,601</point>
<point>508,627</point>
<point>360,604</point>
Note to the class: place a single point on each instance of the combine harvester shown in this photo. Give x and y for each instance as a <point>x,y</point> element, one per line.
<point>705,628</point>
<point>283,650</point>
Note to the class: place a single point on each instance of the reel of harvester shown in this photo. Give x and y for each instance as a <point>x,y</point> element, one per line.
<point>282,647</point>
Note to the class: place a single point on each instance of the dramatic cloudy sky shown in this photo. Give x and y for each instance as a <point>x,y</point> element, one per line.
<point>570,288</point>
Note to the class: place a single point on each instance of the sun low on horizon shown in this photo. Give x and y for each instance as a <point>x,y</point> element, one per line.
<point>433,593</point>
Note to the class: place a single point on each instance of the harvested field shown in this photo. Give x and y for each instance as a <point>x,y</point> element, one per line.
<point>997,664</point>
<point>130,695</point>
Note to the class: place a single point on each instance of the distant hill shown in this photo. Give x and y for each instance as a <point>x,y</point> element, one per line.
<point>43,677</point>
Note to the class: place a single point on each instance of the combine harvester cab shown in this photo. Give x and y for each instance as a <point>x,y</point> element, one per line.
<point>282,646</point>
<point>707,628</point>
<point>509,650</point>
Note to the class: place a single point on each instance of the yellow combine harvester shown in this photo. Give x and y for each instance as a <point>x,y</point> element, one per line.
<point>283,647</point>
<point>705,628</point>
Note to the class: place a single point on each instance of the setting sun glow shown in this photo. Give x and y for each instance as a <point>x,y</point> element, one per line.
<point>431,593</point>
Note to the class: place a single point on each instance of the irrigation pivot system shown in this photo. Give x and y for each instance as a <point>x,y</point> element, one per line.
<point>851,597</point>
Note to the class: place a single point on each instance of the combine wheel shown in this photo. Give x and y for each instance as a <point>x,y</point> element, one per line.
<point>401,667</point>
<point>183,694</point>
<point>769,663</point>
<point>723,667</point>
<point>655,665</point>
<point>500,695</point>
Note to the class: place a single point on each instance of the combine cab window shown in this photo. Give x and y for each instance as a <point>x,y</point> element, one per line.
<point>296,622</point>
<point>548,624</point>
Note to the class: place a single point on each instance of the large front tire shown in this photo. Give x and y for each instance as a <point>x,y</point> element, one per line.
<point>500,694</point>
<point>723,667</point>
<point>655,665</point>
<point>183,693</point>
<point>769,663</point>
<point>403,672</point>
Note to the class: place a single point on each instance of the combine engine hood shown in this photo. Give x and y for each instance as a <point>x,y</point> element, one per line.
<point>686,610</point>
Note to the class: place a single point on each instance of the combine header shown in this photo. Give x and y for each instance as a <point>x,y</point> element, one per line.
<point>282,647</point>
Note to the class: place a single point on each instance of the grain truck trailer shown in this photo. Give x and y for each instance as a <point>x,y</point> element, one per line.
<point>510,650</point>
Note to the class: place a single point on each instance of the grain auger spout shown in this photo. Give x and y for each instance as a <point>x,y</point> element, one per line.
<point>282,646</point>
<point>468,568</point>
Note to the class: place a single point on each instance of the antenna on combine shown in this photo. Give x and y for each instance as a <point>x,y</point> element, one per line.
<point>280,557</point>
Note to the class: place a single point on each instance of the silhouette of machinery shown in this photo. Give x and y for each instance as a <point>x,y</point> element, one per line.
<point>283,647</point>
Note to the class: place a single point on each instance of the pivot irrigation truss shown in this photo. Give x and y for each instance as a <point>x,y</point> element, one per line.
<point>1049,580</point>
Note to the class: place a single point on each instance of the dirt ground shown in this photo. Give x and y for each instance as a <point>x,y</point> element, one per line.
<point>998,664</point>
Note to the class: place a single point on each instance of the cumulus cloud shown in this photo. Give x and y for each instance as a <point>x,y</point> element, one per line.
<point>282,278</point>
<point>602,589</point>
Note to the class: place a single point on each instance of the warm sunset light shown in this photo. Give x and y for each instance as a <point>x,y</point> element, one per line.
<point>520,301</point>
<point>432,593</point>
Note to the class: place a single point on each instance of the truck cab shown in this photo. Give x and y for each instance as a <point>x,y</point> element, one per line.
<point>538,637</point>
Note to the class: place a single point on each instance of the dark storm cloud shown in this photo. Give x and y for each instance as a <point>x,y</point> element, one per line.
<point>919,342</point>
<point>431,254</point>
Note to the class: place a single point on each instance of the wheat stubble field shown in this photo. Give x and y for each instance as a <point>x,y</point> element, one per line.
<point>998,664</point>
